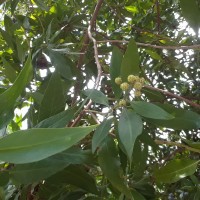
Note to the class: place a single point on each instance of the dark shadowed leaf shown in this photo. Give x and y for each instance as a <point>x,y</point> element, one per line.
<point>36,144</point>
<point>41,5</point>
<point>110,165</point>
<point>130,62</point>
<point>8,98</point>
<point>191,13</point>
<point>59,120</point>
<point>61,64</point>
<point>176,170</point>
<point>96,96</point>
<point>37,171</point>
<point>115,68</point>
<point>150,110</point>
<point>53,101</point>
<point>101,133</point>
<point>183,119</point>
<point>130,127</point>
<point>77,176</point>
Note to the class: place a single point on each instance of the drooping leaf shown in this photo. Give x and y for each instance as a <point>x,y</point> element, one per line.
<point>191,13</point>
<point>53,101</point>
<point>137,195</point>
<point>8,98</point>
<point>130,127</point>
<point>77,176</point>
<point>37,171</point>
<point>110,165</point>
<point>130,61</point>
<point>59,120</point>
<point>36,144</point>
<point>61,64</point>
<point>115,68</point>
<point>150,110</point>
<point>96,96</point>
<point>175,170</point>
<point>101,133</point>
<point>183,119</point>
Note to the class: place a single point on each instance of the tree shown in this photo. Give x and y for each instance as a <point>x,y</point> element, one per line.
<point>99,99</point>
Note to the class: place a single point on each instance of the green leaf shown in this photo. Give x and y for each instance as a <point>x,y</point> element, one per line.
<point>101,133</point>
<point>59,120</point>
<point>42,5</point>
<point>137,195</point>
<point>153,95</point>
<point>150,110</point>
<point>14,5</point>
<point>60,63</point>
<point>130,127</point>
<point>153,54</point>
<point>96,96</point>
<point>192,144</point>
<point>183,119</point>
<point>77,176</point>
<point>53,101</point>
<point>130,61</point>
<point>175,170</point>
<point>37,171</point>
<point>110,165</point>
<point>115,68</point>
<point>191,13</point>
<point>8,98</point>
<point>36,144</point>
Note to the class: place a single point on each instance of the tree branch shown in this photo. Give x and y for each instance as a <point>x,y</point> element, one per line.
<point>169,143</point>
<point>173,95</point>
<point>88,36</point>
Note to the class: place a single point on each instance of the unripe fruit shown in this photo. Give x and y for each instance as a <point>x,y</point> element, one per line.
<point>137,93</point>
<point>122,103</point>
<point>118,80</point>
<point>142,80</point>
<point>124,86</point>
<point>132,79</point>
<point>137,86</point>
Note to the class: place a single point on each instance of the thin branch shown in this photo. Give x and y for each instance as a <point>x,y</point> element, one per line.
<point>196,46</point>
<point>169,143</point>
<point>99,68</point>
<point>88,36</point>
<point>174,95</point>
<point>85,46</point>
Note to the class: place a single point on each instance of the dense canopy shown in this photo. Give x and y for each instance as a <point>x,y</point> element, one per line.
<point>99,99</point>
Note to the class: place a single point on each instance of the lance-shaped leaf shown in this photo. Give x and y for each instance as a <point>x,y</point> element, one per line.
<point>101,133</point>
<point>110,165</point>
<point>8,98</point>
<point>37,171</point>
<point>176,170</point>
<point>130,62</point>
<point>53,101</point>
<point>96,96</point>
<point>191,13</point>
<point>150,110</point>
<point>130,126</point>
<point>36,144</point>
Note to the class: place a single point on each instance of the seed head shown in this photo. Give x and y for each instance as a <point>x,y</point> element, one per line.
<point>122,103</point>
<point>132,79</point>
<point>118,80</point>
<point>137,93</point>
<point>137,86</point>
<point>124,86</point>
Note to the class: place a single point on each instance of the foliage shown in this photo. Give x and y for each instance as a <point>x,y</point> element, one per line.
<point>99,99</point>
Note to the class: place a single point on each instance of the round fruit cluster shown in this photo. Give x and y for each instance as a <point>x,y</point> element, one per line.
<point>133,82</point>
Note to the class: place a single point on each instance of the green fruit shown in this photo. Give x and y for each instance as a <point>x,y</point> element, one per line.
<point>124,86</point>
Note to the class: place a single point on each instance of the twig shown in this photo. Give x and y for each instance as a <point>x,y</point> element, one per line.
<point>169,143</point>
<point>85,46</point>
<point>99,68</point>
<point>173,95</point>
<point>196,46</point>
<point>88,36</point>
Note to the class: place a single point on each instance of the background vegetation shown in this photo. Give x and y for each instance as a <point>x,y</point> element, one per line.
<point>69,129</point>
